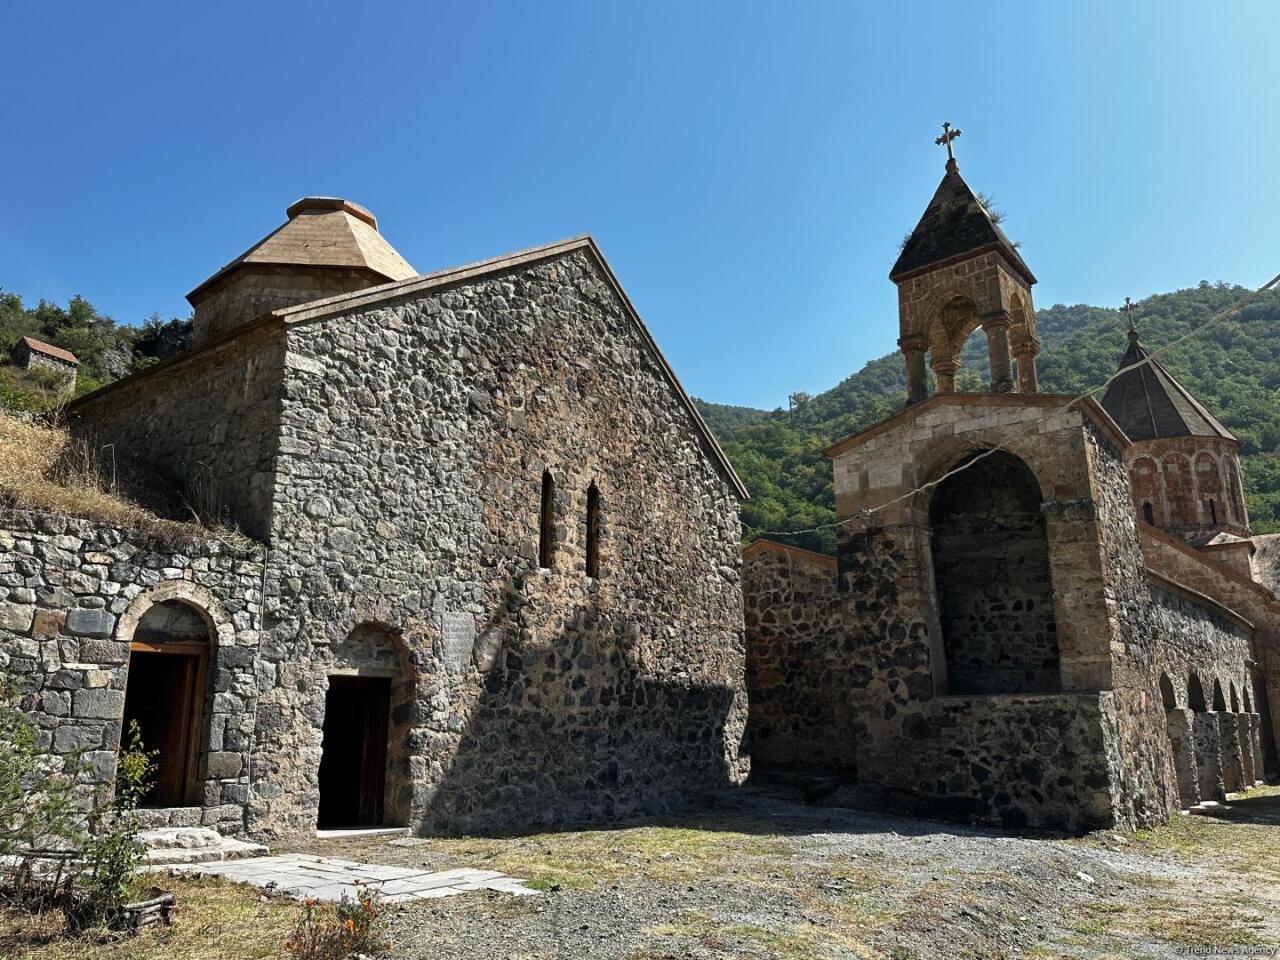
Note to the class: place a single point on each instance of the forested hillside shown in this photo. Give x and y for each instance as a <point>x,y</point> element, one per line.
<point>1234,368</point>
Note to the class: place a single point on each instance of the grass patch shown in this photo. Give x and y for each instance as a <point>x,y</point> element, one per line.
<point>215,920</point>
<point>43,469</point>
<point>591,859</point>
<point>1239,840</point>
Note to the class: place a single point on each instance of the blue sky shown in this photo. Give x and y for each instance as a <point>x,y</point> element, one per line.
<point>747,168</point>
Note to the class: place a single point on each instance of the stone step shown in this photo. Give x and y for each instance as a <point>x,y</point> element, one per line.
<point>170,846</point>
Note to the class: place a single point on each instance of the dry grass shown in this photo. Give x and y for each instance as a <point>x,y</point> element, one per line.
<point>586,859</point>
<point>216,920</point>
<point>43,469</point>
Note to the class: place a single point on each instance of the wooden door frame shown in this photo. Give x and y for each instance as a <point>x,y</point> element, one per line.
<point>194,717</point>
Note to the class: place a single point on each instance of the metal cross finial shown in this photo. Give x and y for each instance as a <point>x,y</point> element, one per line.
<point>1128,309</point>
<point>945,140</point>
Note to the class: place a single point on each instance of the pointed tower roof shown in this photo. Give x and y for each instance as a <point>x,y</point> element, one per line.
<point>1148,403</point>
<point>955,224</point>
<point>322,232</point>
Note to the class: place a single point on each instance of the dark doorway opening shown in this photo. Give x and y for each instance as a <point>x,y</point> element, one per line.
<point>353,759</point>
<point>165,696</point>
<point>992,577</point>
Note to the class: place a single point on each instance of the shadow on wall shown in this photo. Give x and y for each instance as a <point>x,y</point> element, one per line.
<point>569,726</point>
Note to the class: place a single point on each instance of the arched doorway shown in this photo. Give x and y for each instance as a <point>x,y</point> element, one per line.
<point>992,580</point>
<point>364,762</point>
<point>165,696</point>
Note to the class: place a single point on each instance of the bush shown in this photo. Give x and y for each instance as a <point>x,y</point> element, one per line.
<point>38,814</point>
<point>112,851</point>
<point>349,928</point>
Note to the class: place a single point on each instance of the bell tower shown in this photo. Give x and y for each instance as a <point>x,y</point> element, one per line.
<point>958,271</point>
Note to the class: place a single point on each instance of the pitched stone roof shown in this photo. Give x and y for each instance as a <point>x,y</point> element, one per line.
<point>954,224</point>
<point>322,232</point>
<point>39,346</point>
<point>1149,403</point>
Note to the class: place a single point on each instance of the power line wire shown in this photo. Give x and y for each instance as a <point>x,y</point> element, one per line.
<point>866,514</point>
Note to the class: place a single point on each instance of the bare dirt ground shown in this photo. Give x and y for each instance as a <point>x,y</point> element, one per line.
<point>766,877</point>
<point>762,875</point>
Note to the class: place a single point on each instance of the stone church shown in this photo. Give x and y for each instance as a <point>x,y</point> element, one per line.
<point>1044,612</point>
<point>490,575</point>
<point>492,580</point>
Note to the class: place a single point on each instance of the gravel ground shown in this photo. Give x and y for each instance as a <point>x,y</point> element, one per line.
<point>764,876</point>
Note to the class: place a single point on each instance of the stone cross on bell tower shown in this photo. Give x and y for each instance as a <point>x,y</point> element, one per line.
<point>948,135</point>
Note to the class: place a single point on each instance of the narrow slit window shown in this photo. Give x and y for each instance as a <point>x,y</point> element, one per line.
<point>1148,514</point>
<point>1213,512</point>
<point>547,522</point>
<point>593,531</point>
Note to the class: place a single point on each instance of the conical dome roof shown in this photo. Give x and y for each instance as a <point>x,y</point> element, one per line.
<point>1149,403</point>
<point>954,223</point>
<point>322,232</point>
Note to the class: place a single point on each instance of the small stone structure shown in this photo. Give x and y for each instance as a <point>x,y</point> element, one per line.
<point>498,585</point>
<point>1001,637</point>
<point>34,354</point>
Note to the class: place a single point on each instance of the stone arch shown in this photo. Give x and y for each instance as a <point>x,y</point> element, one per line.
<point>1167,696</point>
<point>1144,476</point>
<point>175,632</point>
<point>947,456</point>
<point>1179,492</point>
<point>992,579</point>
<point>198,598</point>
<point>950,327</point>
<point>364,776</point>
<point>1022,343</point>
<point>1213,508</point>
<point>1195,695</point>
<point>1234,496</point>
<point>1219,700</point>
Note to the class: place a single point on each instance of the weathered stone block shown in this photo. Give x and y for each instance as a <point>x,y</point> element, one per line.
<point>89,622</point>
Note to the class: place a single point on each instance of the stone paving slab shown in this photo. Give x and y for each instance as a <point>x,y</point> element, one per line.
<point>330,879</point>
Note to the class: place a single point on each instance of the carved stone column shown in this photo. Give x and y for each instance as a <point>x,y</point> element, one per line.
<point>996,326</point>
<point>1027,381</point>
<point>913,348</point>
<point>944,368</point>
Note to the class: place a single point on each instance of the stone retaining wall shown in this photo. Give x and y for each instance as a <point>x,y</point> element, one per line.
<point>72,591</point>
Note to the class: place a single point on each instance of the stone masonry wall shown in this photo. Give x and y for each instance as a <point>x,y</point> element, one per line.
<point>1168,556</point>
<point>1144,783</point>
<point>799,673</point>
<point>415,435</point>
<point>71,592</point>
<point>205,423</point>
<point>253,290</point>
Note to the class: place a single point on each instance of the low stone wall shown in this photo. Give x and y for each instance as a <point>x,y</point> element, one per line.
<point>1040,761</point>
<point>71,593</point>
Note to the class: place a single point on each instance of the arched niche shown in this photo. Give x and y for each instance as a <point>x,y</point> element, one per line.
<point>992,579</point>
<point>1219,699</point>
<point>1195,695</point>
<point>1167,696</point>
